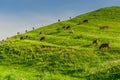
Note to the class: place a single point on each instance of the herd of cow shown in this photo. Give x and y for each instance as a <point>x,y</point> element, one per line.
<point>95,41</point>
<point>103,45</point>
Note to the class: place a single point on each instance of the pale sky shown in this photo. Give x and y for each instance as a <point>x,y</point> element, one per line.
<point>19,15</point>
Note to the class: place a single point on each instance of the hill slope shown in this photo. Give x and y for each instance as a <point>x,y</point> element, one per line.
<point>64,50</point>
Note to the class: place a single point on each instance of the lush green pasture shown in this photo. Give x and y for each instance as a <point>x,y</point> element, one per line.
<point>65,55</point>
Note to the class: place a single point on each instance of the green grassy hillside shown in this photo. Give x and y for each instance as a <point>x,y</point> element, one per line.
<point>65,53</point>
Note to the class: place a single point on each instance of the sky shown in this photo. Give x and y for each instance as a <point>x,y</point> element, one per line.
<point>20,15</point>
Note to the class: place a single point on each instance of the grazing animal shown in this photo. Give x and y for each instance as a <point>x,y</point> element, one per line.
<point>104,45</point>
<point>33,28</point>
<point>68,27</point>
<point>21,38</point>
<point>25,30</point>
<point>104,27</point>
<point>58,20</point>
<point>18,33</point>
<point>71,31</point>
<point>42,38</point>
<point>64,27</point>
<point>26,36</point>
<point>95,41</point>
<point>40,32</point>
<point>85,21</point>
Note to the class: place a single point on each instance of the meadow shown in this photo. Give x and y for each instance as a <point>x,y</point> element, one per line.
<point>65,53</point>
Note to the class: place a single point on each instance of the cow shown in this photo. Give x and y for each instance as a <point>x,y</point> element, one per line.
<point>95,41</point>
<point>21,38</point>
<point>26,36</point>
<point>85,21</point>
<point>18,33</point>
<point>42,38</point>
<point>104,27</point>
<point>104,45</point>
<point>71,31</point>
<point>58,20</point>
<point>40,32</point>
<point>26,31</point>
<point>33,28</point>
<point>68,27</point>
<point>64,27</point>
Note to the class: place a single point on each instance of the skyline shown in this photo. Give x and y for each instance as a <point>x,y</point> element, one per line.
<point>24,14</point>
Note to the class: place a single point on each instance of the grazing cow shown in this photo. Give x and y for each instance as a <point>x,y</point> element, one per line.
<point>26,36</point>
<point>21,38</point>
<point>25,30</point>
<point>64,27</point>
<point>33,28</point>
<point>42,38</point>
<point>58,20</point>
<point>85,21</point>
<point>69,17</point>
<point>68,27</point>
<point>18,33</point>
<point>95,41</point>
<point>71,31</point>
<point>104,27</point>
<point>104,45</point>
<point>40,33</point>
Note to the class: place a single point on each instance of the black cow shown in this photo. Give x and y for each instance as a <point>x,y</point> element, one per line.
<point>68,27</point>
<point>104,45</point>
<point>42,38</point>
<point>58,20</point>
<point>85,21</point>
<point>21,38</point>
<point>40,32</point>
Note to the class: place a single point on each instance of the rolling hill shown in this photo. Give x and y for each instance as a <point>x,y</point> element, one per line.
<point>65,51</point>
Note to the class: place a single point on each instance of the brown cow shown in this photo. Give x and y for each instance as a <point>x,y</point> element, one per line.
<point>104,45</point>
<point>18,33</point>
<point>104,27</point>
<point>95,41</point>
<point>70,31</point>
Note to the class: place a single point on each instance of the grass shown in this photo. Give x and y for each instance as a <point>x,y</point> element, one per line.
<point>63,55</point>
